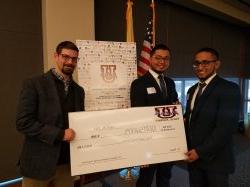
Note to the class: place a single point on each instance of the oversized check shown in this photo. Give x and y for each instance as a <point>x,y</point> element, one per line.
<point>112,139</point>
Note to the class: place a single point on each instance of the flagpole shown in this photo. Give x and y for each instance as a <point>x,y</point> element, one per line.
<point>153,7</point>
<point>129,22</point>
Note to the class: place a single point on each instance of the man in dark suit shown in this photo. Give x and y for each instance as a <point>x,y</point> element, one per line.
<point>211,118</point>
<point>154,89</point>
<point>42,117</point>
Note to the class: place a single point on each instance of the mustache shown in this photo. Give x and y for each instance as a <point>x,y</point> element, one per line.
<point>69,65</point>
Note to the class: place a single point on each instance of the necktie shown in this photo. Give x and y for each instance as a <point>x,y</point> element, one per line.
<point>163,86</point>
<point>201,86</point>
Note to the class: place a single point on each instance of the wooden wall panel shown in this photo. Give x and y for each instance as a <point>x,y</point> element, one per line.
<point>21,57</point>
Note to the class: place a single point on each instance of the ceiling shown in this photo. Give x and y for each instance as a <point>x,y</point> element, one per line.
<point>243,5</point>
<point>246,2</point>
<point>240,9</point>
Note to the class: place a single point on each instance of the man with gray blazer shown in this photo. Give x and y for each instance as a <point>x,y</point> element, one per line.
<point>42,117</point>
<point>211,117</point>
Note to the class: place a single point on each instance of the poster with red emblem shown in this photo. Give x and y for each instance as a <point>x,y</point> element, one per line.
<point>105,71</point>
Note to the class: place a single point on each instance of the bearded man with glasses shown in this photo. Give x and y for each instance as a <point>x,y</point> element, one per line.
<point>42,117</point>
<point>211,118</point>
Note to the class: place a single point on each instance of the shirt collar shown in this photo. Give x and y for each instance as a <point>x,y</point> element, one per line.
<point>61,78</point>
<point>154,74</point>
<point>209,79</point>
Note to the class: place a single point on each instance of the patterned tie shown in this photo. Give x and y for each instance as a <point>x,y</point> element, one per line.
<point>163,86</point>
<point>201,86</point>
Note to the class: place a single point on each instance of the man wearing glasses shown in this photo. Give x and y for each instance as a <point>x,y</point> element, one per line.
<point>154,89</point>
<point>42,117</point>
<point>211,117</point>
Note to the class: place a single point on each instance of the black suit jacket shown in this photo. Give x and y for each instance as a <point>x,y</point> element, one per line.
<point>146,92</point>
<point>40,119</point>
<point>210,126</point>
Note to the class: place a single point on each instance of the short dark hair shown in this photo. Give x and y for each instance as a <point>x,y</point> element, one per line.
<point>66,45</point>
<point>209,50</point>
<point>159,46</point>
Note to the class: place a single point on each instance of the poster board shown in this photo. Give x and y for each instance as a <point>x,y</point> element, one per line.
<point>106,71</point>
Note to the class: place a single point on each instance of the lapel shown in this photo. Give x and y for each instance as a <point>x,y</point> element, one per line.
<point>210,87</point>
<point>152,80</point>
<point>51,92</point>
<point>189,98</point>
<point>78,103</point>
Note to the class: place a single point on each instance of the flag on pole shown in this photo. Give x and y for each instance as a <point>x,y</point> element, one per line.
<point>148,43</point>
<point>129,21</point>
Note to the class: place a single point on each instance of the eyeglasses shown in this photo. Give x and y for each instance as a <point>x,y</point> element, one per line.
<point>159,58</point>
<point>67,58</point>
<point>202,63</point>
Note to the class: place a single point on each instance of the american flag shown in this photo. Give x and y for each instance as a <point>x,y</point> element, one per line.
<point>147,45</point>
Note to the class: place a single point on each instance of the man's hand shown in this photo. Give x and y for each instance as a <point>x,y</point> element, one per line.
<point>176,103</point>
<point>144,166</point>
<point>192,155</point>
<point>184,120</point>
<point>69,135</point>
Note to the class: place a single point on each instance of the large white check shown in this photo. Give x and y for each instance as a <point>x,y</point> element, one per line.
<point>112,139</point>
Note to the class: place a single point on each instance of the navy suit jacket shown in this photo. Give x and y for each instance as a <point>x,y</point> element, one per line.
<point>211,124</point>
<point>40,119</point>
<point>146,92</point>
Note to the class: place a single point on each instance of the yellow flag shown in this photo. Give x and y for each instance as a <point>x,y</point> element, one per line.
<point>129,20</point>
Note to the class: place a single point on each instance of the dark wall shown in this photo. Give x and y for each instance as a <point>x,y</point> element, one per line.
<point>21,57</point>
<point>183,30</point>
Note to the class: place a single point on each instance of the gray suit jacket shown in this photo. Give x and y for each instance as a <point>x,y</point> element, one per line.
<point>210,126</point>
<point>40,119</point>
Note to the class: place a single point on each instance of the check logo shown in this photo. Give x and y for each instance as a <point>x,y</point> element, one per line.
<point>166,111</point>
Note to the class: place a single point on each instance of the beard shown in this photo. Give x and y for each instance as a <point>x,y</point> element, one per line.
<point>68,69</point>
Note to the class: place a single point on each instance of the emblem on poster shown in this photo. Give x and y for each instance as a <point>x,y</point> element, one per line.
<point>108,73</point>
